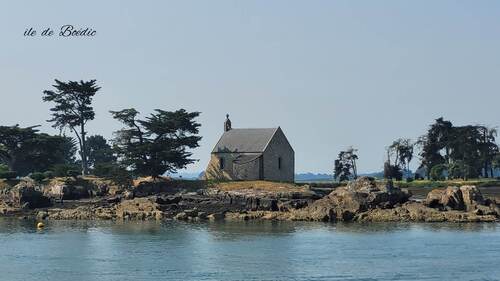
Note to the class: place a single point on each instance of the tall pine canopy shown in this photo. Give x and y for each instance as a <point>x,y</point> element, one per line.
<point>157,144</point>
<point>73,109</point>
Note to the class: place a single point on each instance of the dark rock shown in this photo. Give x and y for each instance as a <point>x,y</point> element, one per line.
<point>27,195</point>
<point>168,199</point>
<point>114,199</point>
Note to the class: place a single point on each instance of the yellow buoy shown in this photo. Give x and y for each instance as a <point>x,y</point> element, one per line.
<point>40,225</point>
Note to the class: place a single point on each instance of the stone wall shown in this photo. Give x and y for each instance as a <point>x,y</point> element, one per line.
<point>248,171</point>
<point>279,148</point>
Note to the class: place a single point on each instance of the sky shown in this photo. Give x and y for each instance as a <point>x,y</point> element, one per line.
<point>332,74</point>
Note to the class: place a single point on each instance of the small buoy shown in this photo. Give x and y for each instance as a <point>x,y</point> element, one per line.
<point>40,225</point>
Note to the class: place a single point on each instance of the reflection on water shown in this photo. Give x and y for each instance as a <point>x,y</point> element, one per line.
<point>248,251</point>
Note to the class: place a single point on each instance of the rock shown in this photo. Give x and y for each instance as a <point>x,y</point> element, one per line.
<point>344,203</point>
<point>433,198</point>
<point>465,198</point>
<point>191,213</point>
<point>181,216</point>
<point>114,199</point>
<point>26,194</point>
<point>449,198</point>
<point>168,199</point>
<point>138,209</point>
<point>202,215</point>
<point>216,216</point>
<point>472,197</point>
<point>452,198</point>
<point>41,215</point>
<point>128,195</point>
<point>417,212</point>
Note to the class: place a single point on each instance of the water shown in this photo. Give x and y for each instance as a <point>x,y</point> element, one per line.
<point>248,251</point>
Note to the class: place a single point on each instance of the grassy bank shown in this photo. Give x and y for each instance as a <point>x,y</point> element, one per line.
<point>446,183</point>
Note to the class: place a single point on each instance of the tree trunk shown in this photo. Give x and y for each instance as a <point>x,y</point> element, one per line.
<point>83,149</point>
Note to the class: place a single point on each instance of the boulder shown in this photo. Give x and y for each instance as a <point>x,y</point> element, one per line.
<point>27,194</point>
<point>344,203</point>
<point>472,197</point>
<point>465,198</point>
<point>139,209</point>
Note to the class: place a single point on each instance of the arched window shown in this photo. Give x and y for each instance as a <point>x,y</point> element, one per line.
<point>221,163</point>
<point>279,163</point>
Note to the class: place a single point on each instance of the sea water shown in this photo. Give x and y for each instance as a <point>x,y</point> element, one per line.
<point>247,251</point>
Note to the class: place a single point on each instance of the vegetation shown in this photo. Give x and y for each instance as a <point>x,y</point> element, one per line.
<point>157,144</point>
<point>73,110</point>
<point>25,150</point>
<point>99,153</point>
<point>37,176</point>
<point>345,165</point>
<point>399,156</point>
<point>460,152</point>
<point>8,175</point>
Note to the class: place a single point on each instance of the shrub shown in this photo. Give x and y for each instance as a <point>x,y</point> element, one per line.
<point>49,174</point>
<point>418,177</point>
<point>392,172</point>
<point>8,175</point>
<point>37,176</point>
<point>4,168</point>
<point>104,169</point>
<point>61,170</point>
<point>438,172</point>
<point>73,173</point>
<point>409,179</point>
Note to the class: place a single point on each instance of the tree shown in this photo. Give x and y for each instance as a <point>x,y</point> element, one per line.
<point>345,165</point>
<point>157,144</point>
<point>470,146</point>
<point>99,152</point>
<point>487,148</point>
<point>25,150</point>
<point>12,140</point>
<point>496,161</point>
<point>402,151</point>
<point>73,110</point>
<point>438,137</point>
<point>459,170</point>
<point>437,172</point>
<point>392,171</point>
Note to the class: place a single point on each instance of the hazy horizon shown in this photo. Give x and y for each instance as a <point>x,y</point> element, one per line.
<point>331,74</point>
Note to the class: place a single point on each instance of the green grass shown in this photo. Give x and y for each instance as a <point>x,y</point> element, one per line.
<point>446,183</point>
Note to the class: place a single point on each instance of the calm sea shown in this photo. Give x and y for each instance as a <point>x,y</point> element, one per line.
<point>248,251</point>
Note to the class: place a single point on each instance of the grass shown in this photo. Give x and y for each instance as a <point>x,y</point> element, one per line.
<point>446,183</point>
<point>259,185</point>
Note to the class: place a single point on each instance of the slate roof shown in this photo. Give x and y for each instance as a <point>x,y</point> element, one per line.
<point>245,140</point>
<point>246,158</point>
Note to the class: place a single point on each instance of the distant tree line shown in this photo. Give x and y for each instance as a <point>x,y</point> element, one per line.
<point>446,152</point>
<point>152,146</point>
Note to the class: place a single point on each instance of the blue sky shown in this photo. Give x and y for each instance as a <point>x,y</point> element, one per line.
<point>330,73</point>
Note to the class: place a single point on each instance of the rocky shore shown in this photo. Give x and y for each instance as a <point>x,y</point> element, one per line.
<point>363,200</point>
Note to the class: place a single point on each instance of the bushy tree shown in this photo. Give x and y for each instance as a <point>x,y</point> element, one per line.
<point>24,150</point>
<point>401,150</point>
<point>73,109</point>
<point>392,171</point>
<point>459,170</point>
<point>99,152</point>
<point>438,172</point>
<point>158,143</point>
<point>471,146</point>
<point>345,165</point>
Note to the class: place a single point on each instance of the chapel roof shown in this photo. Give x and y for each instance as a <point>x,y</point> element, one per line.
<point>245,140</point>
